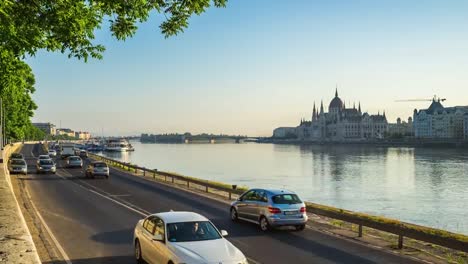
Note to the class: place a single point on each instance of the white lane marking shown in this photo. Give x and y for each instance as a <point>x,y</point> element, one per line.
<point>65,257</point>
<point>119,195</point>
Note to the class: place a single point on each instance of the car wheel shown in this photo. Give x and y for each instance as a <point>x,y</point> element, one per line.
<point>107,176</point>
<point>234,216</point>
<point>264,225</point>
<point>138,257</point>
<point>300,227</point>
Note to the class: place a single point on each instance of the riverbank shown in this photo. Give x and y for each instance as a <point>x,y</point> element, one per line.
<point>377,143</point>
<point>16,244</point>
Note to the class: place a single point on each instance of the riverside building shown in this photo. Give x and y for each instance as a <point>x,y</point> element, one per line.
<point>48,128</point>
<point>342,124</point>
<point>439,122</point>
<point>465,127</point>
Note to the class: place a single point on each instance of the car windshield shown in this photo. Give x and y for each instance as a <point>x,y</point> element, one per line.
<point>46,162</point>
<point>16,155</point>
<point>191,231</point>
<point>100,165</point>
<point>286,199</point>
<point>44,157</point>
<point>51,150</point>
<point>74,158</point>
<point>18,162</point>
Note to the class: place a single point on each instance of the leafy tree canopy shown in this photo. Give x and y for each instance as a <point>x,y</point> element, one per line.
<point>68,26</point>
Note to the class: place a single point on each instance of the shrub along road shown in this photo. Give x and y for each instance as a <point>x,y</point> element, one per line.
<point>93,219</point>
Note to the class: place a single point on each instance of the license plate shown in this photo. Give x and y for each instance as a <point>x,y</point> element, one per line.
<point>290,212</point>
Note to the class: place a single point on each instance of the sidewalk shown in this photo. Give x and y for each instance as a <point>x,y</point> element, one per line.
<point>16,245</point>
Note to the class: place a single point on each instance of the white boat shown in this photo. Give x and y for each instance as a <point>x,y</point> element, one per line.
<point>117,145</point>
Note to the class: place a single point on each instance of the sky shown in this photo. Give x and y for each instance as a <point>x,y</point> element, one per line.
<point>257,65</point>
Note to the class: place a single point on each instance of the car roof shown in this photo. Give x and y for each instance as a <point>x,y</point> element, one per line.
<point>177,217</point>
<point>44,155</point>
<point>74,157</point>
<point>277,191</point>
<point>17,159</point>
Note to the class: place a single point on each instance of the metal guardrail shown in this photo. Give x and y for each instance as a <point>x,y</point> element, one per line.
<point>426,234</point>
<point>171,176</point>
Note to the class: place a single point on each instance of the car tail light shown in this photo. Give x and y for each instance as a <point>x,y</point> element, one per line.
<point>274,210</point>
<point>303,210</point>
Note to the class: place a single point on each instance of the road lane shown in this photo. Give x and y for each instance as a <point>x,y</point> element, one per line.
<point>94,229</point>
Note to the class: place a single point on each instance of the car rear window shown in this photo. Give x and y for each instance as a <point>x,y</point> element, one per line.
<point>18,162</point>
<point>286,199</point>
<point>100,165</point>
<point>74,158</point>
<point>16,155</point>
<point>46,162</point>
<point>44,157</point>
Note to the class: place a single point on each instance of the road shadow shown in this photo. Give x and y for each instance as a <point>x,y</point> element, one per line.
<point>98,260</point>
<point>124,236</point>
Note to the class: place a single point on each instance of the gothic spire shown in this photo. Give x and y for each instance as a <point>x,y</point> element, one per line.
<point>336,91</point>
<point>321,107</point>
<point>359,109</point>
<point>314,113</point>
<point>354,105</point>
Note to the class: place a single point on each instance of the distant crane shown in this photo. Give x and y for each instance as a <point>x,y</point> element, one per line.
<point>435,98</point>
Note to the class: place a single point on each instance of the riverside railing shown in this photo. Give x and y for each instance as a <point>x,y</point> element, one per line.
<point>401,229</point>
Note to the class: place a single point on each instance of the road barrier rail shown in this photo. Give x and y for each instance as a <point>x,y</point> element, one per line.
<point>401,229</point>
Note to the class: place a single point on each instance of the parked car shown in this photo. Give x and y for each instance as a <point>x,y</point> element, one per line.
<point>182,237</point>
<point>43,157</point>
<point>97,168</point>
<point>74,161</point>
<point>16,156</point>
<point>83,153</point>
<point>45,165</point>
<point>18,166</point>
<point>270,208</point>
<point>52,153</point>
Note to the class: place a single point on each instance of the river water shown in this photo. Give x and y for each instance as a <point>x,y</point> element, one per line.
<point>417,185</point>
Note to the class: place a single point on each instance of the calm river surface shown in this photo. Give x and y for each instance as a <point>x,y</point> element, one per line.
<point>417,185</point>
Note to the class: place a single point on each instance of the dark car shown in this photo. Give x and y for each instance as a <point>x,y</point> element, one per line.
<point>16,156</point>
<point>97,168</point>
<point>83,153</point>
<point>45,165</point>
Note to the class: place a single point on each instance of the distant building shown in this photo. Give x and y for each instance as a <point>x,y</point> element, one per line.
<point>65,132</point>
<point>401,128</point>
<point>342,124</point>
<point>82,135</point>
<point>284,132</point>
<point>48,128</point>
<point>465,127</point>
<point>440,122</point>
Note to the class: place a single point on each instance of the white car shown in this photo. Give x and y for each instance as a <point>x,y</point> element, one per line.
<point>42,157</point>
<point>52,153</point>
<point>183,237</point>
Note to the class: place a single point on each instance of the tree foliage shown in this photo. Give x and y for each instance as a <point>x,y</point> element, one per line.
<point>68,26</point>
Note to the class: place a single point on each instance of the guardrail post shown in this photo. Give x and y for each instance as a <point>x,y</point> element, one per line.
<point>144,173</point>
<point>172,179</point>
<point>229,195</point>
<point>188,185</point>
<point>400,241</point>
<point>360,231</point>
<point>206,188</point>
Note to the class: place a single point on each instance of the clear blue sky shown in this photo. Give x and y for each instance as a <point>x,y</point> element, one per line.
<point>257,65</point>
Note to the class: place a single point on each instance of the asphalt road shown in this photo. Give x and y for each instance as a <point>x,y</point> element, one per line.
<point>93,220</point>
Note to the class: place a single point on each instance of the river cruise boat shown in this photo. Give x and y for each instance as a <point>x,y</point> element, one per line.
<point>117,145</point>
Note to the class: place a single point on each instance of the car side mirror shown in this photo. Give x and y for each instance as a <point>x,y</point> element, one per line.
<point>239,199</point>
<point>224,233</point>
<point>158,237</point>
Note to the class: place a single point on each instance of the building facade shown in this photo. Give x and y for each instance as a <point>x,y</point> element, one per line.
<point>82,135</point>
<point>401,128</point>
<point>439,122</point>
<point>65,132</point>
<point>48,128</point>
<point>284,132</point>
<point>342,124</point>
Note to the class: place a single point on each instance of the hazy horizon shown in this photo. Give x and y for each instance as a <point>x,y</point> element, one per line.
<point>254,66</point>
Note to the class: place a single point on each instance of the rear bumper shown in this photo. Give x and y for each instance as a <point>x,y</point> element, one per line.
<point>100,173</point>
<point>276,221</point>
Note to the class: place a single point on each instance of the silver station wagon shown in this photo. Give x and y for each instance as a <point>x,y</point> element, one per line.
<point>270,208</point>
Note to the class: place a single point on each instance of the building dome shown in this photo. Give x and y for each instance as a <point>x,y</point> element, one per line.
<point>336,103</point>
